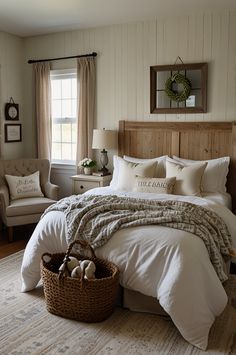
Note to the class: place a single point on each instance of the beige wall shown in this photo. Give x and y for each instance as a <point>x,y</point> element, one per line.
<point>11,84</point>
<point>125,53</point>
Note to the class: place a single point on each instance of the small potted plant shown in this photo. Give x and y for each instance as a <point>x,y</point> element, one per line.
<point>87,164</point>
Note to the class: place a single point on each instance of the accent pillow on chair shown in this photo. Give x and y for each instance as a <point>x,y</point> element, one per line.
<point>24,186</point>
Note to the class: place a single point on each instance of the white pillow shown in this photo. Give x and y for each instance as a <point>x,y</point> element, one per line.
<point>114,179</point>
<point>24,186</point>
<point>127,173</point>
<point>161,166</point>
<point>154,185</point>
<point>215,175</point>
<point>188,178</point>
<point>160,170</point>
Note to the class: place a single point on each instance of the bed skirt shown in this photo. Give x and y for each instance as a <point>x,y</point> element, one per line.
<point>137,302</point>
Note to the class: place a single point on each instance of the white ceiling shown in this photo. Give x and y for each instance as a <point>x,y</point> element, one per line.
<point>31,17</point>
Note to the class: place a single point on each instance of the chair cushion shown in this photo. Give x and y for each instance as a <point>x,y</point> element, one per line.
<point>28,206</point>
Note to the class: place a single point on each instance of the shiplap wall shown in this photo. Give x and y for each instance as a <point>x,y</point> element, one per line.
<point>125,53</point>
<point>11,84</point>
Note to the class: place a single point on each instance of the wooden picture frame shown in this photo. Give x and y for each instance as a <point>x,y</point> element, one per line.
<point>197,101</point>
<point>13,133</point>
<point>11,111</point>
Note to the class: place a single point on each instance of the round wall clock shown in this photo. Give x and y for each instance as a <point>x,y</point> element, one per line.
<point>11,111</point>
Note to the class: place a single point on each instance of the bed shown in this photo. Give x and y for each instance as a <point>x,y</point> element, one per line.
<point>171,273</point>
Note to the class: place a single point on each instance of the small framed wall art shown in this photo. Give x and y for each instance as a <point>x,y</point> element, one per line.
<point>13,133</point>
<point>11,111</point>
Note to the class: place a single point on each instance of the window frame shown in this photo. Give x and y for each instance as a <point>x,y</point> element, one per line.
<point>63,74</point>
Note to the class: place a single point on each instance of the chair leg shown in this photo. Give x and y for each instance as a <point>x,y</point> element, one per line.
<point>10,234</point>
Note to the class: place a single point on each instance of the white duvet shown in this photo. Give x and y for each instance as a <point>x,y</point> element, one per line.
<point>169,264</point>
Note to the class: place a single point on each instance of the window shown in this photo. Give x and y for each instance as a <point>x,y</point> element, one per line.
<point>64,122</point>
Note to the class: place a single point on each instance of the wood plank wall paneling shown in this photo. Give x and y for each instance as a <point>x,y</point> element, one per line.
<point>126,52</point>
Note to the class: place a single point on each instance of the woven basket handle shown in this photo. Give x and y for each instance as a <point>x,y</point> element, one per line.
<point>84,245</point>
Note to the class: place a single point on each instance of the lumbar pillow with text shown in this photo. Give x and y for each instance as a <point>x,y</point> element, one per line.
<point>24,186</point>
<point>128,171</point>
<point>154,185</point>
<point>188,178</point>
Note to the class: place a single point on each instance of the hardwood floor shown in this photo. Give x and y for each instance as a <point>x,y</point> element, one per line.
<point>20,239</point>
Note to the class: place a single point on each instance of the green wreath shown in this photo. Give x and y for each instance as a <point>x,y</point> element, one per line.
<point>174,95</point>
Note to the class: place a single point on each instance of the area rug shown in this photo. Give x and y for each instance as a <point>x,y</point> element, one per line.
<point>26,328</point>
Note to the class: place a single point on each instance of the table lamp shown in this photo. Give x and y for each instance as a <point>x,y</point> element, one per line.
<point>104,139</point>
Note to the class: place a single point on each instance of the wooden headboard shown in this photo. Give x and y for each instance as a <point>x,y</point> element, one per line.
<point>190,140</point>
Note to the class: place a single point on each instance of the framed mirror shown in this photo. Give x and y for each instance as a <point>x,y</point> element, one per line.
<point>178,88</point>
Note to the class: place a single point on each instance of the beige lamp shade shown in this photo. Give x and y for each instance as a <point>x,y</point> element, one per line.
<point>104,139</point>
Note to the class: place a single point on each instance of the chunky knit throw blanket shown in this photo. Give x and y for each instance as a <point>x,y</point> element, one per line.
<point>96,218</point>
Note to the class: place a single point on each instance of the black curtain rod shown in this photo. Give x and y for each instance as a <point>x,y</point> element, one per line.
<point>94,54</point>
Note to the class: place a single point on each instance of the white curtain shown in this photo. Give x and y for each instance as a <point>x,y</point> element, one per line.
<point>43,109</point>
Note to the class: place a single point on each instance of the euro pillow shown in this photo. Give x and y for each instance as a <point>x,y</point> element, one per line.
<point>160,170</point>
<point>24,186</point>
<point>154,185</point>
<point>161,166</point>
<point>215,175</point>
<point>128,171</point>
<point>188,178</point>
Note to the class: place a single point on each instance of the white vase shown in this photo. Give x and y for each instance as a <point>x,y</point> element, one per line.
<point>87,171</point>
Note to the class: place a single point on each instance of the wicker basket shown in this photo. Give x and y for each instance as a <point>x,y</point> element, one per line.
<point>80,299</point>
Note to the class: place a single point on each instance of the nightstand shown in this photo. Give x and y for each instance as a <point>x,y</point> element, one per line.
<point>82,183</point>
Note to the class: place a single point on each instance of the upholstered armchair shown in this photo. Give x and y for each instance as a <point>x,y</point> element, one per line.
<point>26,210</point>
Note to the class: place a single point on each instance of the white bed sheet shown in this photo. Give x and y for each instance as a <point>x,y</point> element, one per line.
<point>224,199</point>
<point>161,262</point>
